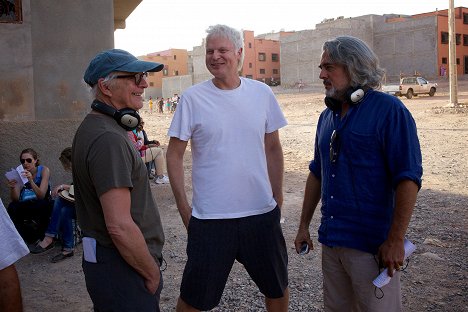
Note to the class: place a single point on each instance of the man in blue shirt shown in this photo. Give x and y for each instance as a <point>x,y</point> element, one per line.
<point>366,170</point>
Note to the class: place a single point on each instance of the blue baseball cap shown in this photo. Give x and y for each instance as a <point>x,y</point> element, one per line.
<point>112,60</point>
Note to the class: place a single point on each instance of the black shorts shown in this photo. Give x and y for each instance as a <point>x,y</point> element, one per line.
<point>257,242</point>
<point>114,285</point>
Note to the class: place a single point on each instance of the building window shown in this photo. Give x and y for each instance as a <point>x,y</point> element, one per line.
<point>444,37</point>
<point>250,45</point>
<point>465,18</point>
<point>444,60</point>
<point>10,11</point>
<point>275,72</point>
<point>250,65</point>
<point>261,57</point>
<point>465,40</point>
<point>151,84</point>
<point>458,39</point>
<point>175,57</point>
<point>176,73</point>
<point>165,71</point>
<point>262,71</point>
<point>249,76</point>
<point>458,61</point>
<point>274,57</point>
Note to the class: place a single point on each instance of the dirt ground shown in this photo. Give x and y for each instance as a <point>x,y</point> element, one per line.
<point>437,275</point>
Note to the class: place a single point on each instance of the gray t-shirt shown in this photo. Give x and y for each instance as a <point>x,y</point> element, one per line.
<point>103,158</point>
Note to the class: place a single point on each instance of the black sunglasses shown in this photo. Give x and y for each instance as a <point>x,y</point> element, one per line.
<point>334,146</point>
<point>138,77</point>
<point>29,160</point>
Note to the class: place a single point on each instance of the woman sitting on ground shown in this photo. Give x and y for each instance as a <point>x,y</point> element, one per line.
<point>150,152</point>
<point>62,217</point>
<point>30,205</point>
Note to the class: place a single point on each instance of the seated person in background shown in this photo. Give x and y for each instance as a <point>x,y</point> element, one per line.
<point>30,205</point>
<point>62,217</point>
<point>13,249</point>
<point>149,153</point>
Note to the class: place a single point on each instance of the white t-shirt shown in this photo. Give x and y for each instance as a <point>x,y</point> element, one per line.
<point>12,246</point>
<point>227,131</point>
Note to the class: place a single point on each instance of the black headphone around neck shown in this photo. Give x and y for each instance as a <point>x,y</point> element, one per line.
<point>353,96</point>
<point>127,118</point>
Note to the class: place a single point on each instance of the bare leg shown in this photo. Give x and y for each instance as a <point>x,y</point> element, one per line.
<point>10,291</point>
<point>156,154</point>
<point>278,304</point>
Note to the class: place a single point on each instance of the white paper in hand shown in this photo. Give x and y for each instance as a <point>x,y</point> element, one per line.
<point>20,170</point>
<point>383,278</point>
<point>16,174</point>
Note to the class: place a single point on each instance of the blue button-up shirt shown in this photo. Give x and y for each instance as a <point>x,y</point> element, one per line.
<point>375,149</point>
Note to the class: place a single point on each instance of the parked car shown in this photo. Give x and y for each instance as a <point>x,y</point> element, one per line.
<point>391,89</point>
<point>413,86</point>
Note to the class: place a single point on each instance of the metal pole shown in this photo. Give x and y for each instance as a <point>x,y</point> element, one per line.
<point>452,56</point>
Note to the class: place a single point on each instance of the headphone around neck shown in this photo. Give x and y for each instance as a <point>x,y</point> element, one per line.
<point>353,97</point>
<point>127,118</point>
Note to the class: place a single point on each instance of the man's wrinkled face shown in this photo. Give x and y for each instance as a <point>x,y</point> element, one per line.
<point>125,92</point>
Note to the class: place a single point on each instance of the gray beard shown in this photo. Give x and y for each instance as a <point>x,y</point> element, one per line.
<point>335,94</point>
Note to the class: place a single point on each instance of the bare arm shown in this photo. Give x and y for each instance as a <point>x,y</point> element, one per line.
<point>127,236</point>
<point>175,170</point>
<point>392,252</point>
<point>312,196</point>
<point>10,291</point>
<point>275,164</point>
<point>60,188</point>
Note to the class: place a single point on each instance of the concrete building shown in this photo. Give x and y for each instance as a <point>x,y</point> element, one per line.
<point>404,44</point>
<point>262,56</point>
<point>175,64</point>
<point>301,51</point>
<point>461,39</point>
<point>175,85</point>
<point>45,50</point>
<point>261,61</point>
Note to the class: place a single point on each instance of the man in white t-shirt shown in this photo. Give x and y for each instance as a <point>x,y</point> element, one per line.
<point>13,248</point>
<point>237,176</point>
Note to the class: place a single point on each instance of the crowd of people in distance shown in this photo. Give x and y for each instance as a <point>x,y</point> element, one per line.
<point>167,105</point>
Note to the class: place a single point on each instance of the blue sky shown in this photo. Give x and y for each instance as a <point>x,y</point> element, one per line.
<point>157,25</point>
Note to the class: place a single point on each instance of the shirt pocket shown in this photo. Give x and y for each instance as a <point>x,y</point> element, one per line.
<point>363,150</point>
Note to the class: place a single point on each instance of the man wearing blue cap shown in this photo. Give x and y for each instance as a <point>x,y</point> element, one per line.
<point>123,235</point>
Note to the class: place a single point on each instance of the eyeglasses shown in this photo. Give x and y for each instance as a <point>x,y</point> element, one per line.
<point>29,160</point>
<point>334,147</point>
<point>138,77</point>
